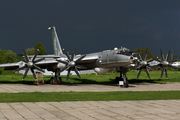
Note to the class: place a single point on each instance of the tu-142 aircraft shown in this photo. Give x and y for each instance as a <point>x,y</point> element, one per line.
<point>116,60</point>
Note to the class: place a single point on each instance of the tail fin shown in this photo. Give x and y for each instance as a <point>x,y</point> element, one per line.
<point>56,44</point>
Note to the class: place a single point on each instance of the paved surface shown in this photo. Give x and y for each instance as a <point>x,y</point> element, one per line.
<point>15,88</point>
<point>90,110</point>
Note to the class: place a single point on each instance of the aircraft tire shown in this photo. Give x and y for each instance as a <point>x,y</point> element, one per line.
<point>59,81</point>
<point>127,83</point>
<point>52,81</point>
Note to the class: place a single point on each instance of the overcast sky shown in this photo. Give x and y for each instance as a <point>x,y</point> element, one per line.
<point>91,25</point>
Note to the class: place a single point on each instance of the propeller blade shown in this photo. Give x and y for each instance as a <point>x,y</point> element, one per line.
<point>27,59</point>
<point>67,55</point>
<point>147,72</point>
<point>167,57</point>
<point>77,72</point>
<point>145,55</point>
<point>64,62</point>
<point>72,57</point>
<point>79,59</point>
<point>166,73</point>
<point>20,68</point>
<point>135,67</point>
<point>38,60</point>
<point>26,72</point>
<point>163,70</point>
<point>150,60</point>
<point>69,71</point>
<point>162,56</point>
<point>158,60</point>
<point>38,68</point>
<point>35,56</point>
<point>33,73</point>
<point>140,54</point>
<point>21,59</point>
<point>172,61</point>
<point>139,73</point>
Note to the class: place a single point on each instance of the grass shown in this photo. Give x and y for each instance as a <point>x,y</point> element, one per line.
<point>87,96</point>
<point>11,77</point>
<point>174,76</point>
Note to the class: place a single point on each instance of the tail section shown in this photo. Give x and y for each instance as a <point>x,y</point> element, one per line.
<point>56,44</point>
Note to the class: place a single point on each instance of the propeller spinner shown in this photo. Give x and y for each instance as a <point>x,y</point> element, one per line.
<point>30,64</point>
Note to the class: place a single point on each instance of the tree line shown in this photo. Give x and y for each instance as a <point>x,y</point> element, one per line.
<point>8,56</point>
<point>150,55</point>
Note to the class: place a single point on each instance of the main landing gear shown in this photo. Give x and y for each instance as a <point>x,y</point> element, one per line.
<point>122,77</point>
<point>56,79</point>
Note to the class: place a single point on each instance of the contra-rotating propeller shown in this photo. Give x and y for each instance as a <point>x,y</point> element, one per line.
<point>72,64</point>
<point>142,64</point>
<point>164,63</point>
<point>30,64</point>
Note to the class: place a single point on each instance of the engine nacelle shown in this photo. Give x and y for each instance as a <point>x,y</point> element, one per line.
<point>21,64</point>
<point>60,65</point>
<point>100,70</point>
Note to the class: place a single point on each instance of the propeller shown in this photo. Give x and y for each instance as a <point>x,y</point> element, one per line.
<point>70,64</point>
<point>164,63</point>
<point>30,64</point>
<point>142,64</point>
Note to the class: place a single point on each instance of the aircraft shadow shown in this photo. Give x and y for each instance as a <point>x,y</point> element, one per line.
<point>112,82</point>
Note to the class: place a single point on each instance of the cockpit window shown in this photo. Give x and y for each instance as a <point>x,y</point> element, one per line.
<point>124,51</point>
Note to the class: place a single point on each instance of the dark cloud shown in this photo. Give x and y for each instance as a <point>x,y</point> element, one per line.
<point>91,25</point>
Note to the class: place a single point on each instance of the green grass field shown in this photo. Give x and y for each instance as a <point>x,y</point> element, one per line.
<point>88,96</point>
<point>174,76</point>
<point>13,78</point>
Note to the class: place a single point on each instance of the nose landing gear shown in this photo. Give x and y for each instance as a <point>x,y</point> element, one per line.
<point>122,80</point>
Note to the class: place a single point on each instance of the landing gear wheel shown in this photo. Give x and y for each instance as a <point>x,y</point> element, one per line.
<point>123,82</point>
<point>52,81</point>
<point>126,83</point>
<point>59,81</point>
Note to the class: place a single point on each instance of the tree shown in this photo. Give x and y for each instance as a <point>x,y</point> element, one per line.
<point>143,50</point>
<point>30,51</point>
<point>1,57</point>
<point>7,56</point>
<point>39,46</point>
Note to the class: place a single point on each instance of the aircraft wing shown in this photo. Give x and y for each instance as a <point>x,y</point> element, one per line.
<point>87,59</point>
<point>10,66</point>
<point>44,56</point>
<point>47,62</point>
<point>13,66</point>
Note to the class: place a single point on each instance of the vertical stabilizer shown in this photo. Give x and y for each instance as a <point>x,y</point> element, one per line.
<point>56,44</point>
